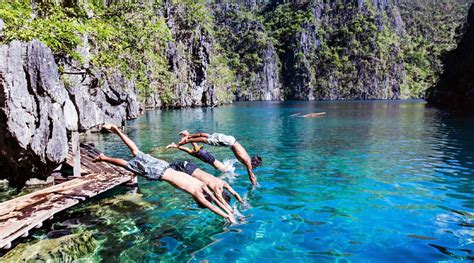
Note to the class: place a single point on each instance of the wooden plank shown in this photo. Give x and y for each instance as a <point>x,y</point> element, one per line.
<point>22,214</point>
<point>88,153</point>
<point>76,154</point>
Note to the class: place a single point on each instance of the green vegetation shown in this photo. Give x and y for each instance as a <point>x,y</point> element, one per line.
<point>350,47</point>
<point>285,23</point>
<point>245,40</point>
<point>354,52</point>
<point>128,37</point>
<point>220,75</point>
<point>54,27</point>
<point>431,32</point>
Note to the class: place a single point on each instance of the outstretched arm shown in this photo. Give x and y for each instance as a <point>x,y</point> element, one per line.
<point>220,166</point>
<point>217,185</point>
<point>196,189</point>
<point>131,145</point>
<point>234,193</point>
<point>252,177</point>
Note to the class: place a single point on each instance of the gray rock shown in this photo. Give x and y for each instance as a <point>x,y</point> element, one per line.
<point>32,107</point>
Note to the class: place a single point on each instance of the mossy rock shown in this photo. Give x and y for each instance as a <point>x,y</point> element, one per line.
<point>64,249</point>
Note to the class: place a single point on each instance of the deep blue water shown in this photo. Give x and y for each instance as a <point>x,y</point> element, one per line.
<point>370,181</point>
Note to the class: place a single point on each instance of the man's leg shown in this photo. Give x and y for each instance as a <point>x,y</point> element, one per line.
<point>114,161</point>
<point>219,166</point>
<point>186,140</point>
<point>195,135</point>
<point>185,133</point>
<point>131,145</point>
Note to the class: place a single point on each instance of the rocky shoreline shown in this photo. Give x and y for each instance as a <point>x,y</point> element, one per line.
<point>210,55</point>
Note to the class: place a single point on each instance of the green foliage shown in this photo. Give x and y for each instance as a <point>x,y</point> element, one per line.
<point>130,37</point>
<point>197,14</point>
<point>222,78</point>
<point>285,23</point>
<point>56,29</point>
<point>431,31</point>
<point>125,36</point>
<point>244,39</point>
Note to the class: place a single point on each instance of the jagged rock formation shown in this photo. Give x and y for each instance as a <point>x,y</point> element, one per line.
<point>99,96</point>
<point>335,50</point>
<point>250,50</point>
<point>37,112</point>
<point>455,89</point>
<point>189,56</point>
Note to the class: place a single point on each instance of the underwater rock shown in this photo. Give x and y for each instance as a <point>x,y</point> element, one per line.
<point>64,249</point>
<point>58,233</point>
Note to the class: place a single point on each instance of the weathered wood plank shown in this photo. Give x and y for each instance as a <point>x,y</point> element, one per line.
<point>20,215</point>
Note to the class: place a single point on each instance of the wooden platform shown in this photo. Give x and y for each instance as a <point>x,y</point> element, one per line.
<point>20,215</point>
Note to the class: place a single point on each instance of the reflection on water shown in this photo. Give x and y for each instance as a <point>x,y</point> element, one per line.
<point>376,181</point>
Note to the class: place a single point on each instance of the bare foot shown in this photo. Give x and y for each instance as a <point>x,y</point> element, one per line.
<point>183,140</point>
<point>99,158</point>
<point>109,127</point>
<point>172,145</point>
<point>184,133</point>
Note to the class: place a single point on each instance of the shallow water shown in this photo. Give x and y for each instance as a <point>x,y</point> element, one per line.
<point>369,181</point>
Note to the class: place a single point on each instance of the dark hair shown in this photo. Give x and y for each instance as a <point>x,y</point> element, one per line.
<point>256,161</point>
<point>209,198</point>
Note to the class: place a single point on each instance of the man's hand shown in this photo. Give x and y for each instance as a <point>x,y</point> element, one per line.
<point>197,190</point>
<point>252,178</point>
<point>218,185</point>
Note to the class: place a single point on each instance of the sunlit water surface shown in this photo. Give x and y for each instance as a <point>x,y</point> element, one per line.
<point>369,181</point>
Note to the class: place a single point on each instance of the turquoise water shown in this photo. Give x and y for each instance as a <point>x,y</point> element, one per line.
<point>370,181</point>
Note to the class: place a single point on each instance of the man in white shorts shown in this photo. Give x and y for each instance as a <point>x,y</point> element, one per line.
<point>219,139</point>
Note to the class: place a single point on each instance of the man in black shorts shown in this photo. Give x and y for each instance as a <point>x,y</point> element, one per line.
<point>203,155</point>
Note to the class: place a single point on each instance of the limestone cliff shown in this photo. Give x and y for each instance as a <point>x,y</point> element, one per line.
<point>455,90</point>
<point>37,112</point>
